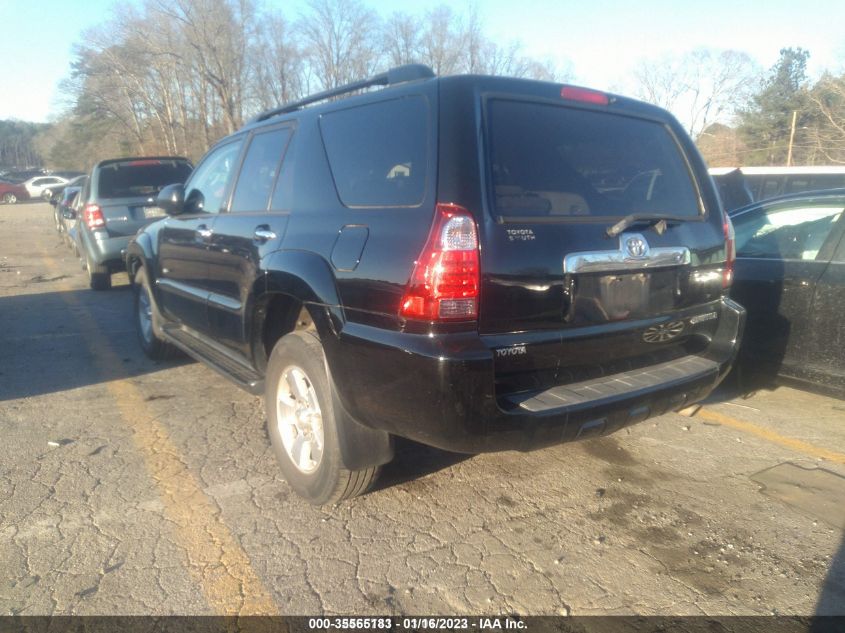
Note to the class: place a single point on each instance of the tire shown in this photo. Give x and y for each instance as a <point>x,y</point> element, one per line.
<point>145,319</point>
<point>99,277</point>
<point>9,198</point>
<point>297,381</point>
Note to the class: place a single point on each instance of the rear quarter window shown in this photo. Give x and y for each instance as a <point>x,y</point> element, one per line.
<point>378,153</point>
<point>548,160</point>
<point>139,178</point>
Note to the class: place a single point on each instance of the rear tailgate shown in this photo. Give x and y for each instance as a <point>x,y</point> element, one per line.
<point>564,301</point>
<point>126,191</point>
<point>124,216</point>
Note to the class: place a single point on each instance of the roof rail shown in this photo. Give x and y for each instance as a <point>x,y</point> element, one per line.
<point>397,75</point>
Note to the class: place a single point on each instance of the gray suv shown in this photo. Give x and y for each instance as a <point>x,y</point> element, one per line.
<point>118,199</point>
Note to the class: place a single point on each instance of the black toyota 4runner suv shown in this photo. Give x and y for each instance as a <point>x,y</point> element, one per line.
<point>474,263</point>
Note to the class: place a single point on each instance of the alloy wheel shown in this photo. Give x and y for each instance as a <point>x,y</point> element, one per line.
<point>299,419</point>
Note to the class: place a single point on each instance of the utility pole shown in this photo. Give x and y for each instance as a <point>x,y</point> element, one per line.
<point>791,139</point>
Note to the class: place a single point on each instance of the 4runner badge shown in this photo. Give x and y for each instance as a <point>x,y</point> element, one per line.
<point>520,235</point>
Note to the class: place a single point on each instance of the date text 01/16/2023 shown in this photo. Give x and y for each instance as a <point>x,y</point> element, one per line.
<point>417,623</point>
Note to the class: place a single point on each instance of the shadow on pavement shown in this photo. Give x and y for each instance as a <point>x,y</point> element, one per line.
<point>413,461</point>
<point>832,596</point>
<point>43,349</point>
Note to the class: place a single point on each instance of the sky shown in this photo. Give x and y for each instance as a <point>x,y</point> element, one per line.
<point>599,41</point>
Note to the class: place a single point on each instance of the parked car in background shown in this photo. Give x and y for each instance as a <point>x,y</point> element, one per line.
<point>10,192</point>
<point>763,183</point>
<point>57,191</point>
<point>790,276</point>
<point>732,187</point>
<point>41,185</point>
<point>118,199</point>
<point>475,263</point>
<point>70,224</point>
<point>65,203</point>
<point>67,174</point>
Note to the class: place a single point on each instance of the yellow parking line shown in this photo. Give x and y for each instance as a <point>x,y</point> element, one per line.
<point>215,558</point>
<point>771,436</point>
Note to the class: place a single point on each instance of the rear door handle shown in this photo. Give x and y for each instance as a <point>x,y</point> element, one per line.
<point>203,232</point>
<point>263,234</point>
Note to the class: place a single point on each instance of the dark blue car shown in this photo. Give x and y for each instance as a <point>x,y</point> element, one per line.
<point>790,277</point>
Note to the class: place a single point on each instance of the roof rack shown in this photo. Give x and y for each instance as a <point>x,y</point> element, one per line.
<point>397,75</point>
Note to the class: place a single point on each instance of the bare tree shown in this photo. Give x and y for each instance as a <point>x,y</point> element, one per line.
<point>700,87</point>
<point>173,76</point>
<point>339,38</point>
<point>279,64</point>
<point>402,40</point>
<point>441,44</point>
<point>719,83</point>
<point>826,134</point>
<point>217,34</point>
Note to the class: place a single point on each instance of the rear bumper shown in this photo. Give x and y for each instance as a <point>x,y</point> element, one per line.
<point>440,390</point>
<point>105,250</point>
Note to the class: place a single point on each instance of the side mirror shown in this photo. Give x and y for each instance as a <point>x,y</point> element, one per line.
<point>172,199</point>
<point>69,214</point>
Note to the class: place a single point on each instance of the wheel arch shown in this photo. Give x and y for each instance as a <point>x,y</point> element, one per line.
<point>300,292</point>
<point>301,295</point>
<point>138,254</point>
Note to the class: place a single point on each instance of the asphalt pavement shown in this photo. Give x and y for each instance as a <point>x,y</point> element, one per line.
<point>134,487</point>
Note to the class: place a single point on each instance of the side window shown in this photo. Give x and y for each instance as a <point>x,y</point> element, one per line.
<point>771,187</point>
<point>827,181</point>
<point>754,183</point>
<point>283,194</point>
<point>205,190</point>
<point>785,232</point>
<point>378,153</point>
<point>259,170</point>
<point>796,184</point>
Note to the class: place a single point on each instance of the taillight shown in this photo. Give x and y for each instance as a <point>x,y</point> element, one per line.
<point>585,95</point>
<point>730,247</point>
<point>92,215</point>
<point>445,282</point>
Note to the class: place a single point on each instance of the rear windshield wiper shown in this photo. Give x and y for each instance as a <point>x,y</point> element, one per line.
<point>660,222</point>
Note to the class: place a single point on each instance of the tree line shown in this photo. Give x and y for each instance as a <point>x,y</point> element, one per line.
<point>17,143</point>
<point>174,76</point>
<point>786,120</point>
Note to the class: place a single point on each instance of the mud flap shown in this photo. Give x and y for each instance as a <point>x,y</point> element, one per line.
<point>360,446</point>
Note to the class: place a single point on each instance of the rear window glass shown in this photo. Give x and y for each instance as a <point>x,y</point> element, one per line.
<point>549,160</point>
<point>141,178</point>
<point>378,153</point>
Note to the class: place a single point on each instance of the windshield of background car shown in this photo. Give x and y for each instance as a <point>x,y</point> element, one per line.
<point>549,160</point>
<point>140,178</point>
<point>790,230</point>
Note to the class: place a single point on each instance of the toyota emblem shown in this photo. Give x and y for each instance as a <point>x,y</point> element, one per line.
<point>636,246</point>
